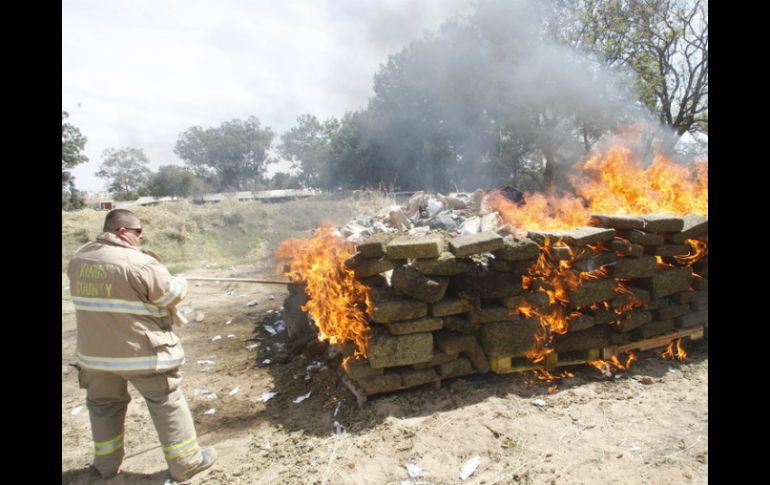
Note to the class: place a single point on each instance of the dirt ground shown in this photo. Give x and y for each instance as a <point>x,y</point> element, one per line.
<point>648,426</point>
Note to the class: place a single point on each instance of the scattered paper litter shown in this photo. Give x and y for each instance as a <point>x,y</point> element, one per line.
<point>230,335</point>
<point>267,395</point>
<point>337,409</point>
<point>204,361</point>
<point>229,322</point>
<point>413,470</point>
<point>251,347</point>
<point>234,391</point>
<point>538,402</point>
<point>210,411</point>
<point>76,410</point>
<point>252,303</point>
<point>199,391</point>
<point>338,428</point>
<point>211,396</point>
<point>469,467</point>
<point>302,398</point>
<point>280,326</point>
<point>266,362</point>
<point>216,337</point>
<point>270,330</point>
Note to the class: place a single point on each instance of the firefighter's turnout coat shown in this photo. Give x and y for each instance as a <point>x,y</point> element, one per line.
<point>125,302</point>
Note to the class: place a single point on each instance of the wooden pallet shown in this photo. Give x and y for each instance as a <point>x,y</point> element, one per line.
<point>578,357</point>
<point>362,396</point>
<point>652,343</point>
<point>507,365</point>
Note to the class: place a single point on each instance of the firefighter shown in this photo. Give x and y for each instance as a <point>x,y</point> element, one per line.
<point>125,302</point>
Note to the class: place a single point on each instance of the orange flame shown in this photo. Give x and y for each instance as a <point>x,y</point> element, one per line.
<point>612,182</point>
<point>675,351</point>
<point>699,250</point>
<point>336,297</point>
<point>607,366</point>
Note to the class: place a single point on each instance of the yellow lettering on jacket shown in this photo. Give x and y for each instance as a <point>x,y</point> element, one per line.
<point>87,289</point>
<point>93,289</point>
<point>93,271</point>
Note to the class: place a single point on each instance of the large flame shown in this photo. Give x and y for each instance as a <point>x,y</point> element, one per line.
<point>612,181</point>
<point>557,278</point>
<point>338,303</point>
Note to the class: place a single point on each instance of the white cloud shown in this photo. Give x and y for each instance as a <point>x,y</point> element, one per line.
<point>138,72</point>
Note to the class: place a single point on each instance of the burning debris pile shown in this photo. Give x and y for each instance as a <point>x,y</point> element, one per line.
<point>451,286</point>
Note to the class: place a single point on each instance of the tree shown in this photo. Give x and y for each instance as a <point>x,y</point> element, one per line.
<point>233,155</point>
<point>171,180</point>
<point>72,145</point>
<point>126,171</point>
<point>308,147</point>
<point>663,42</point>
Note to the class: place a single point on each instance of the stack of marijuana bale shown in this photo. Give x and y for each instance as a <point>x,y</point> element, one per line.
<point>449,308</point>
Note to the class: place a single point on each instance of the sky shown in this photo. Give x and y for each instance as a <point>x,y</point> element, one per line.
<point>138,73</point>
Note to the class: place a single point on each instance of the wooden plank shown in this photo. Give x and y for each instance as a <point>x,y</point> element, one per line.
<point>578,357</point>
<point>651,343</point>
<point>508,365</point>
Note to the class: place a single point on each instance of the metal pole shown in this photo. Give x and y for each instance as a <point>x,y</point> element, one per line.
<point>239,280</point>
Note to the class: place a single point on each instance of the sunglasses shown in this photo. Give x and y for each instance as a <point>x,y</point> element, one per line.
<point>137,230</point>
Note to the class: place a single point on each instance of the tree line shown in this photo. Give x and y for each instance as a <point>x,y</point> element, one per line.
<point>508,95</point>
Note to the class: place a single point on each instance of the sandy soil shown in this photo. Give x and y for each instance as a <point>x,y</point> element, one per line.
<point>649,426</point>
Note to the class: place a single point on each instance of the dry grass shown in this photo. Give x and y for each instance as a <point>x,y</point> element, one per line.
<point>228,233</point>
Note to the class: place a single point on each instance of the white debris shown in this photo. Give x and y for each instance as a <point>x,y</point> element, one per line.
<point>252,303</point>
<point>671,370</point>
<point>434,206</point>
<point>230,335</point>
<point>469,467</point>
<point>280,326</point>
<point>279,346</point>
<point>199,316</point>
<point>199,391</point>
<point>187,311</point>
<point>229,322</point>
<point>216,337</point>
<point>302,398</point>
<point>252,346</point>
<point>212,396</point>
<point>272,298</point>
<point>413,470</point>
<point>210,411</point>
<point>270,329</point>
<point>490,222</point>
<point>471,225</point>
<point>538,402</point>
<point>267,395</point>
<point>337,409</point>
<point>234,391</point>
<point>229,293</point>
<point>418,231</point>
<point>338,428</point>
<point>205,362</point>
<point>76,410</point>
<point>267,362</point>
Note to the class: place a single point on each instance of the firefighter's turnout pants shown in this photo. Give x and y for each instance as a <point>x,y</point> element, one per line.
<point>107,400</point>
